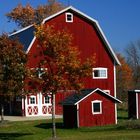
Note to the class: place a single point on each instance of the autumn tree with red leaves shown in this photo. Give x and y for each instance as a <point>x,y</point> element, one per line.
<point>12,70</point>
<point>65,69</point>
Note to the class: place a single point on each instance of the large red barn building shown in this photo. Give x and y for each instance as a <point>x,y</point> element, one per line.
<point>90,39</point>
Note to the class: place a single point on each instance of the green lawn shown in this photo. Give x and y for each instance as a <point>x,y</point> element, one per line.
<point>41,130</point>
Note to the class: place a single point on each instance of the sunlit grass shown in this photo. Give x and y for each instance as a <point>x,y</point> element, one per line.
<point>41,130</point>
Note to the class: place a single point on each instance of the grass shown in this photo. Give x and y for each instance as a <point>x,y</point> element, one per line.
<point>41,130</point>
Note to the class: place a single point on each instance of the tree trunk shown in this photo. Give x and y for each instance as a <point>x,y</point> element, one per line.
<point>53,117</point>
<point>2,113</point>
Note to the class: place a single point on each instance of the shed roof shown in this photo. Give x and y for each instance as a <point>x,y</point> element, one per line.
<point>74,99</point>
<point>134,91</point>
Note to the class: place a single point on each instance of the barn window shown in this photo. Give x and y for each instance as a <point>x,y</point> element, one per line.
<point>47,99</point>
<point>32,100</point>
<point>97,107</point>
<point>69,17</point>
<point>99,73</point>
<point>39,72</point>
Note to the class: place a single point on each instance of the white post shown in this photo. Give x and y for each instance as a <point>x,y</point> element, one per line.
<point>137,107</point>
<point>116,121</point>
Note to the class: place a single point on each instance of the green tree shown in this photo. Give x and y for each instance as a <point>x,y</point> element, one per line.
<point>12,69</point>
<point>65,69</point>
<point>24,16</point>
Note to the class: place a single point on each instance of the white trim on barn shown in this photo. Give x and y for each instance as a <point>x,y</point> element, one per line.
<point>137,106</point>
<point>32,42</point>
<point>78,115</point>
<point>21,30</point>
<point>116,120</point>
<point>39,108</point>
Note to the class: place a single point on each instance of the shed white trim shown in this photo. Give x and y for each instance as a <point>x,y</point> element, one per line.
<point>137,106</point>
<point>97,89</point>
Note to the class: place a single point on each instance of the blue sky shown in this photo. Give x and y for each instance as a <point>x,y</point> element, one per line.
<point>119,19</point>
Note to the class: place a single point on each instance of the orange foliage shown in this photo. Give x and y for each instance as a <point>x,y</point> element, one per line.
<point>65,69</point>
<point>25,16</point>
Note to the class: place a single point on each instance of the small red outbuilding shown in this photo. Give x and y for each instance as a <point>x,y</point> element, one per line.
<point>134,104</point>
<point>90,107</point>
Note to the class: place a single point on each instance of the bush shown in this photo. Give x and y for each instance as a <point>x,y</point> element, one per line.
<point>130,124</point>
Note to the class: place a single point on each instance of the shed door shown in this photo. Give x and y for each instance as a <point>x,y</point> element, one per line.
<point>70,116</point>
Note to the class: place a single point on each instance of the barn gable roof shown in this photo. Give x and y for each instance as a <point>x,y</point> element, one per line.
<point>75,99</point>
<point>31,39</point>
<point>25,36</point>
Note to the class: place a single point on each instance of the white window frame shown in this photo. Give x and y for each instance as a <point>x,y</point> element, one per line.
<point>49,99</point>
<point>100,69</point>
<point>30,100</point>
<point>69,14</point>
<point>92,103</point>
<point>43,71</point>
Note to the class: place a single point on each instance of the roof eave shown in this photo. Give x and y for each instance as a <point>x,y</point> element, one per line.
<point>98,89</point>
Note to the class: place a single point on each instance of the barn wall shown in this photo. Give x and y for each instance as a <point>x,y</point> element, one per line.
<point>89,42</point>
<point>131,105</point>
<point>86,118</point>
<point>59,98</point>
<point>86,38</point>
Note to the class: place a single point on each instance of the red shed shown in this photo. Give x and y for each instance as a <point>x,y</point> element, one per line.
<point>134,104</point>
<point>90,107</point>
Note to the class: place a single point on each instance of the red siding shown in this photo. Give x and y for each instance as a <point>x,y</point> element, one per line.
<point>89,42</point>
<point>59,98</point>
<point>86,118</point>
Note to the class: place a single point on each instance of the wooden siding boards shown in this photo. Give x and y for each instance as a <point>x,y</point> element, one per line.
<point>89,42</point>
<point>89,119</point>
<point>88,37</point>
<point>85,116</point>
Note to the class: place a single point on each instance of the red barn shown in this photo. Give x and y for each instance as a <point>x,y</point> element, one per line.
<point>90,39</point>
<point>91,107</point>
<point>134,104</point>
